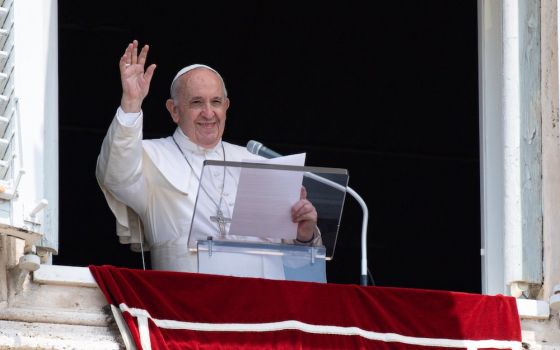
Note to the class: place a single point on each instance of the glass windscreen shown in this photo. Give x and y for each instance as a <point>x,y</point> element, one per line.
<point>252,202</point>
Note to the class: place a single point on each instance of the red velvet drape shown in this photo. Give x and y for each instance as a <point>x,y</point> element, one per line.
<point>302,315</point>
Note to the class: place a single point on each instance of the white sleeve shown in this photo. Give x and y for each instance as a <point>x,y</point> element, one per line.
<point>119,165</point>
<point>128,119</point>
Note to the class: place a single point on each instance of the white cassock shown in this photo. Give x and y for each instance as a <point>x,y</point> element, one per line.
<point>152,190</point>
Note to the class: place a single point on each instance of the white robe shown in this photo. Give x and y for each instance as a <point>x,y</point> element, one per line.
<point>152,191</point>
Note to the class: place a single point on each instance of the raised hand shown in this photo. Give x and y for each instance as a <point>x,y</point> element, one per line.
<point>305,214</point>
<point>134,79</point>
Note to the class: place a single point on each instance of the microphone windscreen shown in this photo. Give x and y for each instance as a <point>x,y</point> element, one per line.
<point>254,146</point>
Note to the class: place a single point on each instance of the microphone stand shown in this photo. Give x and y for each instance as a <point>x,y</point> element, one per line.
<point>364,271</point>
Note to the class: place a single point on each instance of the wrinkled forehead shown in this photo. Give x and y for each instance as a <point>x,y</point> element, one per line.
<point>187,69</point>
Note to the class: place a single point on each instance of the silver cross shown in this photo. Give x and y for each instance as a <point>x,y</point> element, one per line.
<point>221,220</point>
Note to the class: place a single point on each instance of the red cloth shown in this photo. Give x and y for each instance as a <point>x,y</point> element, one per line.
<point>320,316</point>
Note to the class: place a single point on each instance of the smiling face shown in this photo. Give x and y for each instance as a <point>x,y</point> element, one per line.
<point>199,106</point>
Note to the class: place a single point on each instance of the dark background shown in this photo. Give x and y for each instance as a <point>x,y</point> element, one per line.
<point>387,91</point>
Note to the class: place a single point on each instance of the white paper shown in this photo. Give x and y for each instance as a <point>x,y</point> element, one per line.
<point>265,198</point>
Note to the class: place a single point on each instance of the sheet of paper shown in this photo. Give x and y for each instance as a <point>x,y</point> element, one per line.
<point>265,198</point>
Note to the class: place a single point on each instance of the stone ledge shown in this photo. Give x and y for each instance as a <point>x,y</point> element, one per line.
<point>533,309</point>
<point>55,316</point>
<point>25,335</point>
<point>64,275</point>
<point>81,277</point>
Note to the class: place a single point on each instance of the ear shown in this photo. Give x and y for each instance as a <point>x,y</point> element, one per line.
<point>170,105</point>
<point>226,104</point>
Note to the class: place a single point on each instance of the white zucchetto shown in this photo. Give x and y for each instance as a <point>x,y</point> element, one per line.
<point>194,66</point>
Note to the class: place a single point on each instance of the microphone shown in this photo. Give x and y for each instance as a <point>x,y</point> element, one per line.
<point>258,148</point>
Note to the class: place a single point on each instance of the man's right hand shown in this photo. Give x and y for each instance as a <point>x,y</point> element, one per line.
<point>135,81</point>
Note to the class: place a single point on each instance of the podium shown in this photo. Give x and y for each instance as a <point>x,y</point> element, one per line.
<point>240,207</point>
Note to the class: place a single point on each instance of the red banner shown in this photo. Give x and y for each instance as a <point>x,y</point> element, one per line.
<point>173,310</point>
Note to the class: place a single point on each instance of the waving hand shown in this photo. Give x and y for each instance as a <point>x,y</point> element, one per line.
<point>135,79</point>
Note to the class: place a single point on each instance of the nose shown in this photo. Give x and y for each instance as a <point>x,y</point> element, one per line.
<point>207,111</point>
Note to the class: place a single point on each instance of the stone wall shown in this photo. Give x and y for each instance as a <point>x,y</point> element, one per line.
<point>56,307</point>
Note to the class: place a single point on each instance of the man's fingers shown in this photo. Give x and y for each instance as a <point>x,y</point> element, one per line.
<point>122,63</point>
<point>302,193</point>
<point>303,210</point>
<point>128,50</point>
<point>143,55</point>
<point>134,58</point>
<point>150,73</point>
<point>126,58</point>
<point>131,57</point>
<point>297,207</point>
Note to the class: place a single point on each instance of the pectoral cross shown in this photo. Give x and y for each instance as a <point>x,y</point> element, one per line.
<point>221,220</point>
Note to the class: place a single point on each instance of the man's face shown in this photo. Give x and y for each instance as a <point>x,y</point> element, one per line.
<point>200,107</point>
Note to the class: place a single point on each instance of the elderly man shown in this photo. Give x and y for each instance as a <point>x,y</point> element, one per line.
<point>151,185</point>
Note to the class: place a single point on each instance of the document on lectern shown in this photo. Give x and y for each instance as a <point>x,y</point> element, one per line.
<point>265,198</point>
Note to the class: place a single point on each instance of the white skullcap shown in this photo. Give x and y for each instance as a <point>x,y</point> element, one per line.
<point>194,66</point>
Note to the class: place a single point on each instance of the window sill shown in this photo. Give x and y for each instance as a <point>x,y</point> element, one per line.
<point>64,275</point>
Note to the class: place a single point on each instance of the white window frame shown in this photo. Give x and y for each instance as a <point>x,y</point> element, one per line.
<point>35,52</point>
<point>510,145</point>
